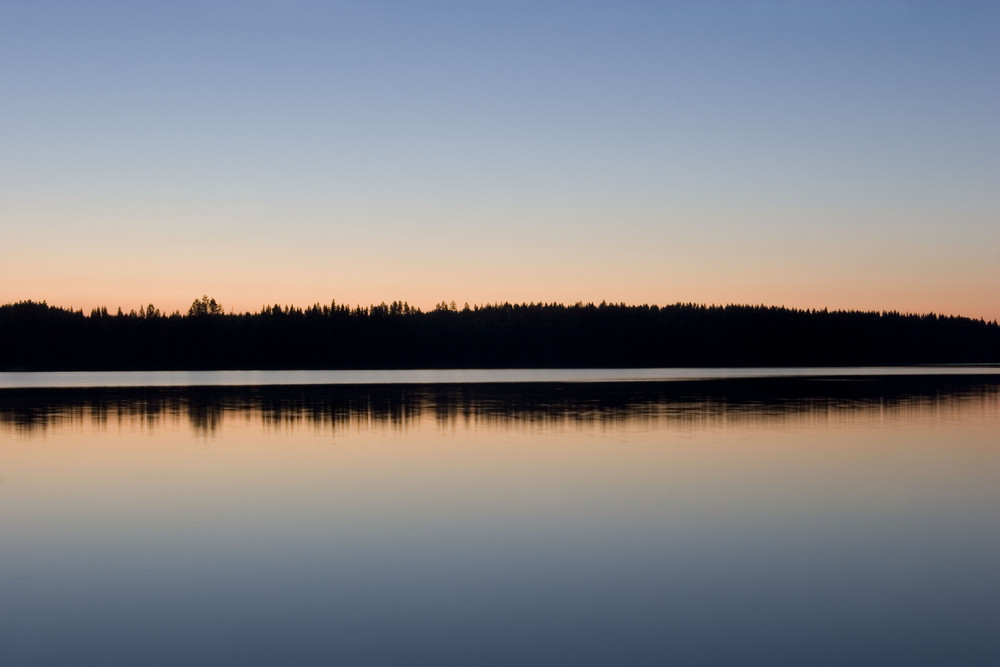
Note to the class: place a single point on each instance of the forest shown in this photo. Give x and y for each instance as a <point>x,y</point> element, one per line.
<point>35,336</point>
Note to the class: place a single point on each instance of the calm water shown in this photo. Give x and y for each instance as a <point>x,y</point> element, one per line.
<point>811,520</point>
<point>455,376</point>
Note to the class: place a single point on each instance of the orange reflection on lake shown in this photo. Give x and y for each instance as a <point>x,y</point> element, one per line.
<point>527,523</point>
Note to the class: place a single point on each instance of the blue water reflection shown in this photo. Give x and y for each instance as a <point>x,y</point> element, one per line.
<point>751,522</point>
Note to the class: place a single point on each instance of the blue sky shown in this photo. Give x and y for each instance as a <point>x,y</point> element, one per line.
<point>800,153</point>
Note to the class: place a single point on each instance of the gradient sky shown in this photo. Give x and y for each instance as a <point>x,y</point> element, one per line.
<point>808,154</point>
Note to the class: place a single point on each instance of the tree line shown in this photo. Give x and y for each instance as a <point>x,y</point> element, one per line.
<point>36,336</point>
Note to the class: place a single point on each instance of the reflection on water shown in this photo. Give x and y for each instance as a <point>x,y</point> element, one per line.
<point>92,379</point>
<point>761,521</point>
<point>345,409</point>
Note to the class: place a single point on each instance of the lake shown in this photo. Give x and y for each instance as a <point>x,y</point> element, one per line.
<point>22,380</point>
<point>840,516</point>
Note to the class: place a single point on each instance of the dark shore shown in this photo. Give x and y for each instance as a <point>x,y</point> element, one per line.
<point>37,337</point>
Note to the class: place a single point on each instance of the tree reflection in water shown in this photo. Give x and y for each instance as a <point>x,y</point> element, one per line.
<point>398,407</point>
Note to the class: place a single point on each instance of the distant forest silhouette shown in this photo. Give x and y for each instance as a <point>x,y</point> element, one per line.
<point>36,336</point>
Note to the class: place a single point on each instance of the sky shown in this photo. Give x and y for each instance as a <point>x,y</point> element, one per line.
<point>807,154</point>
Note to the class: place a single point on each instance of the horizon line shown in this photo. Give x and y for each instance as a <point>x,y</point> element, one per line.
<point>452,306</point>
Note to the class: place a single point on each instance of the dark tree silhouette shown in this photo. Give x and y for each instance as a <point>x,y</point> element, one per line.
<point>205,306</point>
<point>36,336</point>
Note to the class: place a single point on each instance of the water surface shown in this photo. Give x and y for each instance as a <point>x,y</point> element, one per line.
<point>18,380</point>
<point>820,520</point>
